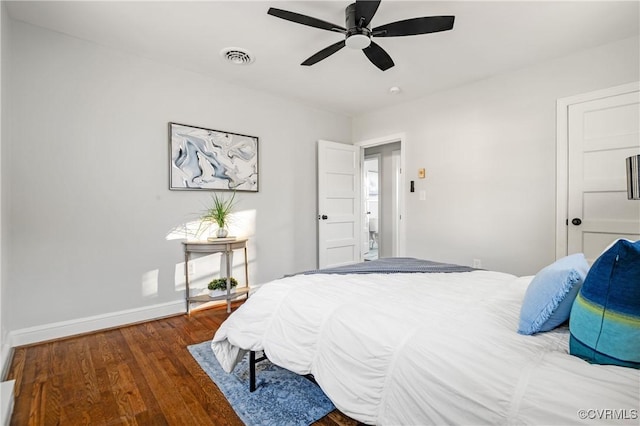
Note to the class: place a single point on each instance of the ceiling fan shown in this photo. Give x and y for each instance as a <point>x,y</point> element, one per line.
<point>358,31</point>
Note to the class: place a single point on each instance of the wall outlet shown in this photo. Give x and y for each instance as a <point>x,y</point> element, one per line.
<point>477,263</point>
<point>191,268</point>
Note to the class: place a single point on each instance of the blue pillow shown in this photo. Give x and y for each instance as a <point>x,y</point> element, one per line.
<point>605,319</point>
<point>548,300</point>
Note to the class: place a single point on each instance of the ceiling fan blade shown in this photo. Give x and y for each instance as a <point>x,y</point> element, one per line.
<point>366,9</point>
<point>415,26</point>
<point>324,53</point>
<point>378,56</point>
<point>305,20</point>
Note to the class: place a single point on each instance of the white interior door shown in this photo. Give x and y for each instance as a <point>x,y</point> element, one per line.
<point>338,204</point>
<point>602,133</point>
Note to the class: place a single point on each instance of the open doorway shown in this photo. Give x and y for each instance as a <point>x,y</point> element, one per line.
<point>382,198</point>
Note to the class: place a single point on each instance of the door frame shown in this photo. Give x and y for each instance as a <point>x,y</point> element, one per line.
<point>562,155</point>
<point>397,137</point>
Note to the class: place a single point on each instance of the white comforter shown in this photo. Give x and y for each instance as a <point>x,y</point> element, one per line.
<point>420,349</point>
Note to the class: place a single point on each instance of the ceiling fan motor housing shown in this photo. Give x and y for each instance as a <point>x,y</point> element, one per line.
<point>357,36</point>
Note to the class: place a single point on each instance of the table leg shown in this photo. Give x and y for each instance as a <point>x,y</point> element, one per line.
<point>228,255</point>
<point>186,280</point>
<point>246,270</point>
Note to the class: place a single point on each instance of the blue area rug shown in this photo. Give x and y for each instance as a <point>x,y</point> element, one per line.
<point>281,397</point>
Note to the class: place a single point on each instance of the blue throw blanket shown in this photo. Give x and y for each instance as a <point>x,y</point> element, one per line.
<point>393,265</point>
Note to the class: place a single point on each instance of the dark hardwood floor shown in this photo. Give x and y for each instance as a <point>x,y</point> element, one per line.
<point>141,374</point>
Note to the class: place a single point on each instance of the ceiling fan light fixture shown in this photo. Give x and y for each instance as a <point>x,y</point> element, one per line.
<point>358,30</point>
<point>237,55</point>
<point>358,41</point>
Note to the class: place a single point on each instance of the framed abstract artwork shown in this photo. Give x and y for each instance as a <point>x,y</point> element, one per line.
<point>206,159</point>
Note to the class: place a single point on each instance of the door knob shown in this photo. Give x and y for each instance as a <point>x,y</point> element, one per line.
<point>323,217</point>
<point>576,221</point>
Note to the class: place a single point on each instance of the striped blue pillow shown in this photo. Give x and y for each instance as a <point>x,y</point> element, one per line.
<point>605,318</point>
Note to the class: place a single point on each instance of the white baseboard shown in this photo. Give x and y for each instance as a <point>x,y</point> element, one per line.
<point>6,352</point>
<point>6,401</point>
<point>42,333</point>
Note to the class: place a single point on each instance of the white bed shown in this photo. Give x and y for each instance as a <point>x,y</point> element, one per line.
<point>426,348</point>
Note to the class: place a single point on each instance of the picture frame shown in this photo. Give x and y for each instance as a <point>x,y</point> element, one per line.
<point>211,160</point>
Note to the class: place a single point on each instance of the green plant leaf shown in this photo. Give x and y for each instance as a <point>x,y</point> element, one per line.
<point>219,212</point>
<point>221,283</point>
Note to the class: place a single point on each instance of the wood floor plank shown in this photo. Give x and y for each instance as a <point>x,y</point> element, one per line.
<point>36,413</point>
<point>152,413</point>
<point>140,374</point>
<point>124,390</point>
<point>17,367</point>
<point>24,377</point>
<point>53,397</point>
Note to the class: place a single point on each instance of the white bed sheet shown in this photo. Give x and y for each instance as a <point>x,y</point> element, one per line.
<point>420,349</point>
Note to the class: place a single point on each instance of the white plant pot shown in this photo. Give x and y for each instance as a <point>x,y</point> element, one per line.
<point>216,293</point>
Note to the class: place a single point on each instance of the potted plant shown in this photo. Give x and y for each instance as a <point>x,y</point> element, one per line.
<point>218,286</point>
<point>219,213</point>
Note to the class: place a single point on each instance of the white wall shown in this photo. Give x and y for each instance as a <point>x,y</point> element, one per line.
<point>489,153</point>
<point>89,206</point>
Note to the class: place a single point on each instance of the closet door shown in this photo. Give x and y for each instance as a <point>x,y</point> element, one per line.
<point>602,133</point>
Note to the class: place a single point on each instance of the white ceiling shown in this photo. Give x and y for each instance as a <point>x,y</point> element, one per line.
<point>488,38</point>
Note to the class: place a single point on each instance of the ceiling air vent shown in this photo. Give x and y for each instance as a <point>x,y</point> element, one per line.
<point>237,56</point>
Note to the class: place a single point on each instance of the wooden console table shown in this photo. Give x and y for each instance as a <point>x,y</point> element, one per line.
<point>226,247</point>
